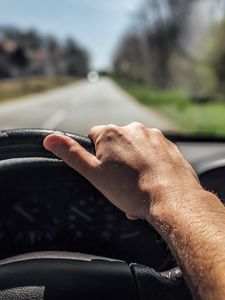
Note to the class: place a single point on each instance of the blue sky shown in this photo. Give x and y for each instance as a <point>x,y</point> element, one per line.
<point>96,24</point>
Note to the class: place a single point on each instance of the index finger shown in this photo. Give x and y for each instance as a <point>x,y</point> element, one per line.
<point>95,132</point>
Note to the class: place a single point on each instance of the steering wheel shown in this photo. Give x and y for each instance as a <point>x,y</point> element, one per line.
<point>52,275</point>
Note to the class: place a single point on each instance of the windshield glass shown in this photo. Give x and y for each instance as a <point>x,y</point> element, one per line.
<point>72,64</point>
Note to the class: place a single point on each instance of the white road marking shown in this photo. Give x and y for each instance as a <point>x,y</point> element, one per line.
<point>55,119</point>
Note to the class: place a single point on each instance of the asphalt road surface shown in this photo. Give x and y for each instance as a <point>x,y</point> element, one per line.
<point>77,107</point>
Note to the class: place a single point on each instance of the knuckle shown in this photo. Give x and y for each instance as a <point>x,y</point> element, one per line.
<point>174,147</point>
<point>137,124</point>
<point>72,156</point>
<point>96,130</point>
<point>111,130</point>
<point>156,132</point>
<point>74,149</point>
<point>109,135</point>
<point>156,136</point>
<point>110,127</point>
<point>177,150</point>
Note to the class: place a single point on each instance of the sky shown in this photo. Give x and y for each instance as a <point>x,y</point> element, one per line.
<point>97,25</point>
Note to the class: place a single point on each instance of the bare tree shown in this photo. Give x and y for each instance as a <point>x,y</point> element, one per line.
<point>163,23</point>
<point>131,58</point>
<point>165,29</point>
<point>158,26</point>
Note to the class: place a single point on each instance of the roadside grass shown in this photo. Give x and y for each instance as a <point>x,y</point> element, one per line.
<point>189,117</point>
<point>14,88</point>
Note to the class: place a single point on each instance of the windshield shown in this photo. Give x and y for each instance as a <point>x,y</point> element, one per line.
<point>72,64</point>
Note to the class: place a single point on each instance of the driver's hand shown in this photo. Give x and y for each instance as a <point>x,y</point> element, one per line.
<point>146,176</point>
<point>134,166</point>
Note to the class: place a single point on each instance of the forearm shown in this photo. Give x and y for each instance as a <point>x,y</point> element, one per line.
<point>194,228</point>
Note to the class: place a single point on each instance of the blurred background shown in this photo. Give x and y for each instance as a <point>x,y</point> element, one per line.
<point>73,64</point>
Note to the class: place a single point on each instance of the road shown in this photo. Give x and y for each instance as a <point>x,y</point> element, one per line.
<point>77,107</point>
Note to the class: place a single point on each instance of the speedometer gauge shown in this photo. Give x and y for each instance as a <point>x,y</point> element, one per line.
<point>44,209</point>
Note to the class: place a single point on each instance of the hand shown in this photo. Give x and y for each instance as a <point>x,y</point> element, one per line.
<point>145,175</point>
<point>134,167</point>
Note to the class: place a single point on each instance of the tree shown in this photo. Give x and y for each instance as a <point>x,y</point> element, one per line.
<point>215,56</point>
<point>29,52</point>
<point>4,72</point>
<point>18,58</point>
<point>130,59</point>
<point>163,24</point>
<point>161,28</point>
<point>76,59</point>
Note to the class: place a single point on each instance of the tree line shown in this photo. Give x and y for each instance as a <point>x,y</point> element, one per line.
<point>172,45</point>
<point>27,52</point>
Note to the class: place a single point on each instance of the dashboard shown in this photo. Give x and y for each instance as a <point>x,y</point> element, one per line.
<point>208,160</point>
<point>56,209</point>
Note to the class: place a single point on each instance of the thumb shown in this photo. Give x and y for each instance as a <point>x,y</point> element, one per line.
<point>73,154</point>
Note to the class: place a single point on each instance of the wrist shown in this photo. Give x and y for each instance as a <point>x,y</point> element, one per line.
<point>170,207</point>
<point>192,224</point>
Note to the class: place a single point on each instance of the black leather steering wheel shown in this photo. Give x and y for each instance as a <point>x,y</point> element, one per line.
<point>66,275</point>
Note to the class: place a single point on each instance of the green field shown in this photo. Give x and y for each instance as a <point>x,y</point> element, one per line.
<point>189,117</point>
<point>14,88</point>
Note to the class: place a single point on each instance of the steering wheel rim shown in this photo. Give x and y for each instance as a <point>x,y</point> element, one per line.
<point>141,278</point>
